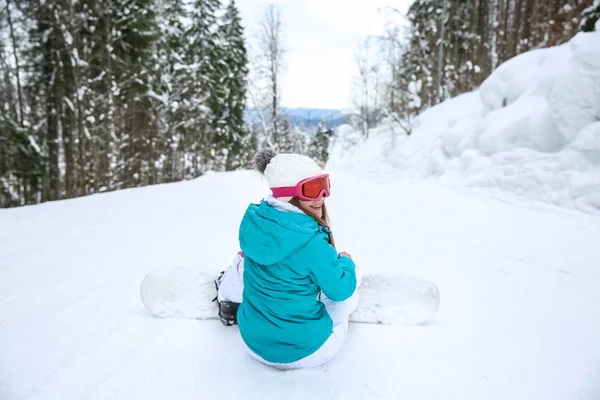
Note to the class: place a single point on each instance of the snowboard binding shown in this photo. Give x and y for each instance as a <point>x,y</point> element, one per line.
<point>227,309</point>
<point>228,312</point>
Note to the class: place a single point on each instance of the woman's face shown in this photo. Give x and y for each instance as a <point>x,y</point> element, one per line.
<point>314,208</point>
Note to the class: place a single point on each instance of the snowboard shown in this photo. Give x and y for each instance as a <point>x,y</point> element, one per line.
<point>383,299</point>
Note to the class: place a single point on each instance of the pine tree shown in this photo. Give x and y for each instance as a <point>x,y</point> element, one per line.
<point>98,145</point>
<point>480,35</point>
<point>590,16</point>
<point>82,20</point>
<point>46,86</point>
<point>169,55</point>
<point>20,158</point>
<point>284,137</point>
<point>299,140</point>
<point>136,32</point>
<point>69,99</point>
<point>99,95</point>
<point>233,82</point>
<point>252,144</point>
<point>461,65</point>
<point>197,78</point>
<point>423,17</point>
<point>318,147</point>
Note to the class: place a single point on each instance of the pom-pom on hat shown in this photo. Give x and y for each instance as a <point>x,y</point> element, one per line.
<point>284,170</point>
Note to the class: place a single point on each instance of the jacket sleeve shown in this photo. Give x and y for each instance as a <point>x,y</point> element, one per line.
<point>335,275</point>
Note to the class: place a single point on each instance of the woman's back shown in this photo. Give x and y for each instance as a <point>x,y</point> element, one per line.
<point>287,261</point>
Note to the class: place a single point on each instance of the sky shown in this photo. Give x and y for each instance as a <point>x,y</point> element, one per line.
<point>321,38</point>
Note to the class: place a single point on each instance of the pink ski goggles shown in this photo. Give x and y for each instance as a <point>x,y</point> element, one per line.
<point>310,189</point>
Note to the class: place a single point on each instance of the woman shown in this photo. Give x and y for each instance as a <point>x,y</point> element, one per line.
<point>296,291</point>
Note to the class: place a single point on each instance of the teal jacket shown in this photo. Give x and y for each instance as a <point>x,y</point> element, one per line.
<point>287,261</point>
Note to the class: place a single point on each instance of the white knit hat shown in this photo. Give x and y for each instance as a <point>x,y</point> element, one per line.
<point>283,170</point>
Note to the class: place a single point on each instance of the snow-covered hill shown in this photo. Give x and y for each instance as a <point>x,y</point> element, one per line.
<point>532,129</point>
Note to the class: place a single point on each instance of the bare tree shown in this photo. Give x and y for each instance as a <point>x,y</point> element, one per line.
<point>270,66</point>
<point>362,62</point>
<point>396,101</point>
<point>367,87</point>
<point>371,91</point>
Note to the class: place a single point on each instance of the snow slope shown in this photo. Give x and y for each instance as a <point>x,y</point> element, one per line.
<point>518,317</point>
<point>533,128</point>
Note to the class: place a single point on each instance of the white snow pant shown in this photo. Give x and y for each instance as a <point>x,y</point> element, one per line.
<point>232,286</point>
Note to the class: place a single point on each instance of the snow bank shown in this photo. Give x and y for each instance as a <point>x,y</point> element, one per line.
<point>533,128</point>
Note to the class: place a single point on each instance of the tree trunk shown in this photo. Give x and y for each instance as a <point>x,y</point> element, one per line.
<point>17,63</point>
<point>482,29</point>
<point>68,110</point>
<point>53,111</point>
<point>274,107</point>
<point>517,27</point>
<point>528,20</point>
<point>494,23</point>
<point>67,136</point>
<point>82,188</point>
<point>506,41</point>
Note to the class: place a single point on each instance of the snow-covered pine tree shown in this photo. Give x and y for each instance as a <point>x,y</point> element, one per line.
<point>169,57</point>
<point>290,139</point>
<point>135,33</point>
<point>480,35</point>
<point>299,139</point>
<point>197,78</point>
<point>590,16</point>
<point>459,68</point>
<point>68,116</point>
<point>20,156</point>
<point>115,94</point>
<point>318,147</point>
<point>11,35</point>
<point>285,139</point>
<point>423,16</point>
<point>249,146</point>
<point>46,84</point>
<point>97,136</point>
<point>230,117</point>
<point>83,22</point>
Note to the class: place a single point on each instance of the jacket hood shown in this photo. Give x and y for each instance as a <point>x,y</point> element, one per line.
<point>268,235</point>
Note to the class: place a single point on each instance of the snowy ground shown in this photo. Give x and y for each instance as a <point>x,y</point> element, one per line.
<point>518,319</point>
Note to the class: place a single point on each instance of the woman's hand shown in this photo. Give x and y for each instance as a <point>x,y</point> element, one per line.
<point>343,253</point>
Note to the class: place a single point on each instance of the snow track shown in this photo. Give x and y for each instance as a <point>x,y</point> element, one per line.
<point>518,280</point>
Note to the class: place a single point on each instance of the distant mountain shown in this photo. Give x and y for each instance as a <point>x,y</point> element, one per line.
<point>309,117</point>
